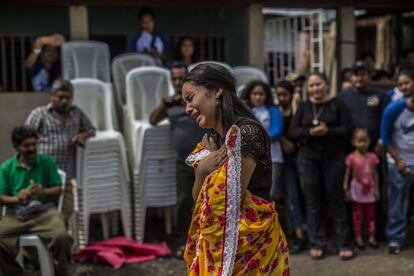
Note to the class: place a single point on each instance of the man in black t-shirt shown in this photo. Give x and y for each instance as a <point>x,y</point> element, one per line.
<point>365,103</point>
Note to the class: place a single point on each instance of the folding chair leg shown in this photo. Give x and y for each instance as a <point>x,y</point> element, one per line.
<point>168,220</point>
<point>105,225</point>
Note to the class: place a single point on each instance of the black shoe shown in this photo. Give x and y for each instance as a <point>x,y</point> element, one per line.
<point>298,247</point>
<point>373,245</point>
<point>360,246</point>
<point>394,249</point>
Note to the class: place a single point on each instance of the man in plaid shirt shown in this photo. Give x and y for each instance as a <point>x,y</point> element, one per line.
<point>61,127</point>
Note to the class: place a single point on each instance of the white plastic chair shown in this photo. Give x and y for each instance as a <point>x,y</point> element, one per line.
<point>85,59</point>
<point>245,74</point>
<point>154,183</point>
<point>102,168</point>
<point>93,97</point>
<point>124,63</point>
<point>45,257</point>
<point>228,67</point>
<point>145,87</point>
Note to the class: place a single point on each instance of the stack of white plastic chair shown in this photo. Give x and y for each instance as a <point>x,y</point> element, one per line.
<point>246,74</point>
<point>151,152</point>
<point>124,63</point>
<point>102,168</point>
<point>225,65</point>
<point>85,59</point>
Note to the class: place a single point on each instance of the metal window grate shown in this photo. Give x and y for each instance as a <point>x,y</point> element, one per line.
<point>15,49</point>
<point>13,53</point>
<point>284,36</point>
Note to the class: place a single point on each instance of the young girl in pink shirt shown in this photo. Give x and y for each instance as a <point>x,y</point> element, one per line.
<point>361,186</point>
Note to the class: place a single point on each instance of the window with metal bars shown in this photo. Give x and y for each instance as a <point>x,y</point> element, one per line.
<point>205,47</point>
<point>15,49</point>
<point>13,53</point>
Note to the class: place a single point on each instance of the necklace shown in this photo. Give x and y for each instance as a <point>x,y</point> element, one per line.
<point>316,115</point>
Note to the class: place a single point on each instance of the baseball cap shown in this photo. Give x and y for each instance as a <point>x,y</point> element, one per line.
<point>360,65</point>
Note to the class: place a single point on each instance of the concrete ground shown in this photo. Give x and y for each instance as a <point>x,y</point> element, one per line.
<point>368,263</point>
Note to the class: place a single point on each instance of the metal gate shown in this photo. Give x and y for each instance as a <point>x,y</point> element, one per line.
<point>287,35</point>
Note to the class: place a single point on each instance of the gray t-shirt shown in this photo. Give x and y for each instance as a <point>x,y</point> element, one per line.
<point>185,131</point>
<point>403,136</point>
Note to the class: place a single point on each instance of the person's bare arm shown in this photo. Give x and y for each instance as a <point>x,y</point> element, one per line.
<point>207,165</point>
<point>53,40</point>
<point>12,200</point>
<point>248,165</point>
<point>346,182</point>
<point>401,165</point>
<point>376,186</point>
<point>39,191</point>
<point>157,115</point>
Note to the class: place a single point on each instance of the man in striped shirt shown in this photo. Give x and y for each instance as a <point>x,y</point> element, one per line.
<point>61,127</point>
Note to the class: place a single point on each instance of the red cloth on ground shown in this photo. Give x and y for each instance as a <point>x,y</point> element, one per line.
<point>119,251</point>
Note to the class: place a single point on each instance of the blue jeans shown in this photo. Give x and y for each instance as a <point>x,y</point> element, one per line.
<point>292,189</point>
<point>398,199</point>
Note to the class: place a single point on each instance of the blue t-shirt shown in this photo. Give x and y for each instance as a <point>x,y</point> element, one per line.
<point>42,78</point>
<point>144,42</point>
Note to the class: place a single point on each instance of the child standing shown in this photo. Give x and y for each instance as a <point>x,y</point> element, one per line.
<point>361,186</point>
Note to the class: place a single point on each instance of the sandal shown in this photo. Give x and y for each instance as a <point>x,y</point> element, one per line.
<point>317,253</point>
<point>373,244</point>
<point>344,256</point>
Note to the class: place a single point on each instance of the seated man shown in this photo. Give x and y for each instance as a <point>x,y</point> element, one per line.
<point>29,184</point>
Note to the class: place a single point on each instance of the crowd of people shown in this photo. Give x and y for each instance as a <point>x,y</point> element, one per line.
<point>350,154</point>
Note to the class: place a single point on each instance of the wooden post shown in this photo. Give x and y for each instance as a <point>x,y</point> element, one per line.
<point>79,26</point>
<point>255,36</point>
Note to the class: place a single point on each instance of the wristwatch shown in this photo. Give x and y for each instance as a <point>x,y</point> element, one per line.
<point>37,50</point>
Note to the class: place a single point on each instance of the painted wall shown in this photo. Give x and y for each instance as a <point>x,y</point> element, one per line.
<point>14,109</point>
<point>34,20</point>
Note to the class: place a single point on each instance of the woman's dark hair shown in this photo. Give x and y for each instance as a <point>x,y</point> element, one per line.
<point>320,75</point>
<point>145,11</point>
<point>286,85</point>
<point>408,73</point>
<point>178,55</point>
<point>21,133</point>
<point>247,91</point>
<point>214,76</point>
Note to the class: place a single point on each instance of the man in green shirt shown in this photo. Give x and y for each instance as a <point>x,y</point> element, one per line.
<point>29,184</point>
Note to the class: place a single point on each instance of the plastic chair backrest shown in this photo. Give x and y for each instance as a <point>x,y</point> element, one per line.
<point>145,88</point>
<point>245,74</point>
<point>124,63</point>
<point>192,66</point>
<point>93,97</point>
<point>85,59</point>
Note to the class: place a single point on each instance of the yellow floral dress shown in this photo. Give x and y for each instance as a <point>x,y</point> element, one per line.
<point>230,235</point>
